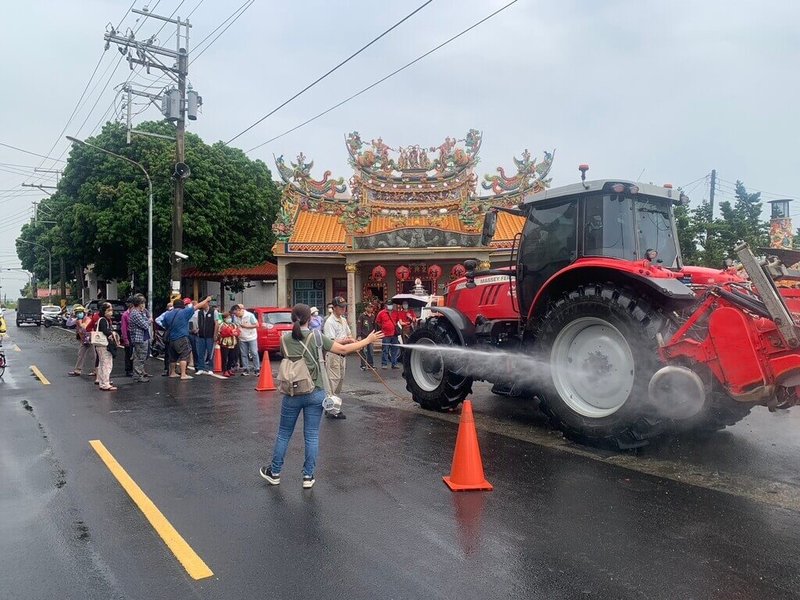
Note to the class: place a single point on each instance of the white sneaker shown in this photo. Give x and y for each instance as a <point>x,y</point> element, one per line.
<point>200,372</point>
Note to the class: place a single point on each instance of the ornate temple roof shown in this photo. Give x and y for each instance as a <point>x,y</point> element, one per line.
<point>409,196</point>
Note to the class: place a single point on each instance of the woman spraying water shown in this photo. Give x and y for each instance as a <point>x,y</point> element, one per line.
<point>300,346</point>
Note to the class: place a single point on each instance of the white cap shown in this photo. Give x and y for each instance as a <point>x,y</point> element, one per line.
<point>314,310</point>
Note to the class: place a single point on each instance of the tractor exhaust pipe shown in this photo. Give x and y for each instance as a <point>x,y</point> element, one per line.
<point>677,392</point>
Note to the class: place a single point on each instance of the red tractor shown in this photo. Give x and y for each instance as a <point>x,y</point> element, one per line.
<point>598,319</point>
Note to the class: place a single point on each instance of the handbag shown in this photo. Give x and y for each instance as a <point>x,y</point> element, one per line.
<point>294,378</point>
<point>98,338</point>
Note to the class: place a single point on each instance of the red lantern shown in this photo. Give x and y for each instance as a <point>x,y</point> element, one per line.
<point>458,271</point>
<point>378,273</point>
<point>434,272</point>
<point>402,273</point>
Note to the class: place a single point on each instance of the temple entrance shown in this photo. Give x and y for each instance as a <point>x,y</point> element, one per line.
<point>374,289</point>
<point>407,287</point>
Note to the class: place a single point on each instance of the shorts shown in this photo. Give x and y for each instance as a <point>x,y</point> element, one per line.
<point>180,349</point>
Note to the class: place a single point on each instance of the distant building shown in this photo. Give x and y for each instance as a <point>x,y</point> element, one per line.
<point>408,213</point>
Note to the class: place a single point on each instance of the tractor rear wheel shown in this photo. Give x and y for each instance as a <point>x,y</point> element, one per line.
<point>600,344</point>
<point>431,379</point>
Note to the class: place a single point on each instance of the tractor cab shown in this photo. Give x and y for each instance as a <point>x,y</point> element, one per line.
<point>609,220</point>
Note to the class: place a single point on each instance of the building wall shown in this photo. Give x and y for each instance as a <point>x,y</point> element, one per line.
<point>308,271</point>
<point>261,294</point>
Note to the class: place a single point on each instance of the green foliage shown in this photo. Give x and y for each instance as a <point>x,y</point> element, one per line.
<point>101,208</point>
<point>707,241</point>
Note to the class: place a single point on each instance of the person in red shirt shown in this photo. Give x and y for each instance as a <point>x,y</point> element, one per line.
<point>386,320</point>
<point>407,320</point>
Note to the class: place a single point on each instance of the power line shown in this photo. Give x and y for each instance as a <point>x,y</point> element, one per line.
<point>211,43</point>
<point>749,189</point>
<point>194,9</point>
<point>392,74</point>
<point>685,185</point>
<point>154,82</point>
<point>29,152</point>
<point>345,61</point>
<point>79,103</point>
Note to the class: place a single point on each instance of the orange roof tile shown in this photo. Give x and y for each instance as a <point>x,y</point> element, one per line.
<point>508,226</point>
<point>265,270</point>
<point>317,228</point>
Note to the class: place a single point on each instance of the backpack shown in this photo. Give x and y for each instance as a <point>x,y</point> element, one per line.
<point>294,378</point>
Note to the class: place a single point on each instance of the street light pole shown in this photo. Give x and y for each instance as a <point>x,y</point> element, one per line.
<point>28,273</point>
<point>49,270</point>
<point>149,216</point>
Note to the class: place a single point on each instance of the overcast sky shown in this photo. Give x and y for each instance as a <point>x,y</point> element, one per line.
<point>661,91</point>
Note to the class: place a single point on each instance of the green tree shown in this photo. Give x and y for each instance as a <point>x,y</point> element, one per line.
<point>101,205</point>
<point>742,221</point>
<point>707,241</point>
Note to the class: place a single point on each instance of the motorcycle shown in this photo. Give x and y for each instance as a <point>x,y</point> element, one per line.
<point>58,320</point>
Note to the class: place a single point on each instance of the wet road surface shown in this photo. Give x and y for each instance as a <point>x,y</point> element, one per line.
<point>712,517</point>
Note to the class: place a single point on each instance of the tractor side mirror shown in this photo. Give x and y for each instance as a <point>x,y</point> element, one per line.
<point>489,227</point>
<point>471,266</point>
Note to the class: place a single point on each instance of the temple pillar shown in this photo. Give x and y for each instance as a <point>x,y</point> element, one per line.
<point>283,294</point>
<point>350,269</point>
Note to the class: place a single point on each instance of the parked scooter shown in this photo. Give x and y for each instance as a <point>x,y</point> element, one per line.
<point>48,320</point>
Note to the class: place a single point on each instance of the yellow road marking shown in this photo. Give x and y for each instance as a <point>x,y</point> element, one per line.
<point>193,564</point>
<point>39,375</point>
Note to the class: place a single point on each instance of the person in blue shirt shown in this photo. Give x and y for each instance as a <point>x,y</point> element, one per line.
<point>176,322</point>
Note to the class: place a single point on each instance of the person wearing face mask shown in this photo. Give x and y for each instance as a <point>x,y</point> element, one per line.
<point>106,353</point>
<point>229,345</point>
<point>80,321</point>
<point>386,321</point>
<point>406,319</point>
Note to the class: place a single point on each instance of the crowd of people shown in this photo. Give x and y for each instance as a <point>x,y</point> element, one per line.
<point>189,332</point>
<point>186,333</point>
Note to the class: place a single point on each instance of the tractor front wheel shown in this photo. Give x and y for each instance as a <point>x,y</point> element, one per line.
<point>599,345</point>
<point>433,382</point>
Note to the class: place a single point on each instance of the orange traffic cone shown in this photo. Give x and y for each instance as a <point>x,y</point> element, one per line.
<point>217,359</point>
<point>265,383</point>
<point>467,470</point>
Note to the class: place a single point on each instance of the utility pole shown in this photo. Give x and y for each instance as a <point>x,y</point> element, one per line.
<point>713,189</point>
<point>175,109</point>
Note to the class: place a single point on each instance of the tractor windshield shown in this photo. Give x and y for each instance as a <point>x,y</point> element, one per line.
<point>629,227</point>
<point>654,228</point>
<point>608,227</point>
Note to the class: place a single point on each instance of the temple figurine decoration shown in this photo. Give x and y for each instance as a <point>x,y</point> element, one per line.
<point>411,196</point>
<point>408,212</point>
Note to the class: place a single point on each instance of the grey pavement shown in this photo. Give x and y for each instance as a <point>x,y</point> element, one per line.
<point>711,517</point>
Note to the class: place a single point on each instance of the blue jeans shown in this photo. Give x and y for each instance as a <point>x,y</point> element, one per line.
<point>245,348</point>
<point>193,344</point>
<point>389,352</point>
<point>205,353</point>
<point>367,354</point>
<point>311,406</point>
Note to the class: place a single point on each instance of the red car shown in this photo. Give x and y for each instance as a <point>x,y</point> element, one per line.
<point>274,323</point>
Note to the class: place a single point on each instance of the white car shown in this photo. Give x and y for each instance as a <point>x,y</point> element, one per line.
<point>50,309</point>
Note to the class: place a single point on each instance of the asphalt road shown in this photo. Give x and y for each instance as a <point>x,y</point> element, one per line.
<point>712,517</point>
